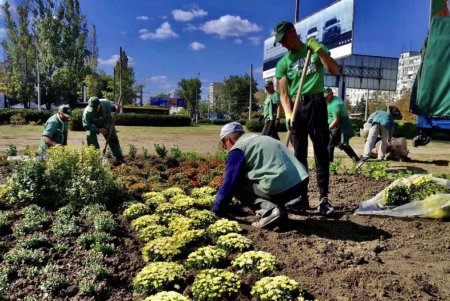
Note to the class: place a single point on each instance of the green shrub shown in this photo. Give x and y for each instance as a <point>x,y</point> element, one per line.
<point>5,221</point>
<point>53,282</point>
<point>254,125</point>
<point>167,296</point>
<point>34,219</point>
<point>18,119</point>
<point>280,288</point>
<point>61,247</point>
<point>36,116</point>
<point>34,241</point>
<point>11,150</point>
<point>215,284</point>
<point>70,175</point>
<point>206,258</point>
<point>97,241</point>
<point>161,150</point>
<point>66,223</point>
<point>19,256</point>
<point>234,242</point>
<point>104,222</point>
<point>175,153</point>
<point>405,129</point>
<point>134,119</point>
<point>257,262</point>
<point>132,151</point>
<point>160,276</point>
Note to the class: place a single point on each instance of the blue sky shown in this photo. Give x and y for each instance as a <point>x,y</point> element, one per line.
<point>167,40</point>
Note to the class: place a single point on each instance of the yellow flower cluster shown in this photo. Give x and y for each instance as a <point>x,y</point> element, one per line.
<point>182,202</point>
<point>201,218</point>
<point>188,238</point>
<point>161,249</point>
<point>223,226</point>
<point>167,296</point>
<point>159,276</point>
<point>215,284</point>
<point>234,242</point>
<point>152,231</point>
<point>172,191</point>
<point>136,210</point>
<point>205,201</point>
<point>202,191</point>
<point>153,199</point>
<point>422,179</point>
<point>144,221</point>
<point>206,257</point>
<point>278,288</point>
<point>181,224</point>
<point>258,262</point>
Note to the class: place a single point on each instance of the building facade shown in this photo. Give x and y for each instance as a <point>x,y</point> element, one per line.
<point>408,66</point>
<point>215,89</point>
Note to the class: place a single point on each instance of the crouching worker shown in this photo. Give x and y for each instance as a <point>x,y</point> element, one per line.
<point>56,130</point>
<point>261,173</point>
<point>97,119</point>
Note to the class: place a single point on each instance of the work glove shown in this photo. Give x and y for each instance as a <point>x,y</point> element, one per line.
<point>314,45</point>
<point>289,121</point>
<point>277,123</point>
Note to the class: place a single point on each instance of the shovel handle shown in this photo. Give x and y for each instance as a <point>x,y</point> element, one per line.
<point>298,96</point>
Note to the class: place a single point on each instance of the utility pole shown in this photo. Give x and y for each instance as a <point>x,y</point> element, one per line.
<point>196,98</point>
<point>114,84</point>
<point>297,9</point>
<point>367,106</point>
<point>251,93</point>
<point>120,78</point>
<point>142,95</point>
<point>38,85</point>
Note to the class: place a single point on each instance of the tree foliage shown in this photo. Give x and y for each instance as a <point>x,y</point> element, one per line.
<point>234,99</point>
<point>190,90</point>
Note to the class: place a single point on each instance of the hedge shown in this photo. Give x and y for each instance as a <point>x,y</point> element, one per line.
<point>134,119</point>
<point>29,115</point>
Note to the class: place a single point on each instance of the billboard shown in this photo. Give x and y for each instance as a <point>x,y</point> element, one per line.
<point>168,102</point>
<point>332,26</point>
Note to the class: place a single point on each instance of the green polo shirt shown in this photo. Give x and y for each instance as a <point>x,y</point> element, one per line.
<point>291,66</point>
<point>93,120</point>
<point>336,108</point>
<point>55,129</point>
<point>270,103</point>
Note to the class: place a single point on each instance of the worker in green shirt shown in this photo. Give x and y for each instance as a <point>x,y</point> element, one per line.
<point>311,119</point>
<point>341,129</point>
<point>271,112</point>
<point>55,130</point>
<point>97,118</point>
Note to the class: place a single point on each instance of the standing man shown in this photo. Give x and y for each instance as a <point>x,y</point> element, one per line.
<point>311,119</point>
<point>261,172</point>
<point>271,112</point>
<point>381,124</point>
<point>340,127</point>
<point>56,129</point>
<point>97,119</point>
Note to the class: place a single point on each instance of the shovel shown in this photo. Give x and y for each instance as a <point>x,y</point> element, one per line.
<point>297,98</point>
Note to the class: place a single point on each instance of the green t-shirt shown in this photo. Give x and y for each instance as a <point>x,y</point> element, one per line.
<point>336,107</point>
<point>270,103</point>
<point>55,129</point>
<point>93,120</point>
<point>291,67</point>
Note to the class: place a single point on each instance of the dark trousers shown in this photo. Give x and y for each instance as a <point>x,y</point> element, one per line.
<point>311,120</point>
<point>335,140</point>
<point>269,129</point>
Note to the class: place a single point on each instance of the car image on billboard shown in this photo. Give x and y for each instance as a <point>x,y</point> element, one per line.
<point>331,31</point>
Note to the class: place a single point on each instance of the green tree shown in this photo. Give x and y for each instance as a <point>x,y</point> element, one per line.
<point>20,53</point>
<point>128,81</point>
<point>235,96</point>
<point>190,90</point>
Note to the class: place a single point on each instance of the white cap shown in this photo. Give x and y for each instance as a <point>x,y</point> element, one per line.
<point>232,127</point>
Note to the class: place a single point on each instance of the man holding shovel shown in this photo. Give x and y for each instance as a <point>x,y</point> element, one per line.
<point>97,119</point>
<point>311,118</point>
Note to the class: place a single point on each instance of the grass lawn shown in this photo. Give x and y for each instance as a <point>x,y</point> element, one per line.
<point>203,139</point>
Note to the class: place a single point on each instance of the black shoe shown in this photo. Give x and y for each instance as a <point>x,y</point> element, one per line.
<point>118,162</point>
<point>271,220</point>
<point>297,205</point>
<point>325,208</point>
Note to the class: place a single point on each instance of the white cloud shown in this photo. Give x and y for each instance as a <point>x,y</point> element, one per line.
<point>123,32</point>
<point>258,70</point>
<point>2,32</point>
<point>113,60</point>
<point>254,40</point>
<point>164,32</point>
<point>161,83</point>
<point>237,41</point>
<point>142,18</point>
<point>196,46</point>
<point>230,26</point>
<point>158,79</point>
<point>184,16</point>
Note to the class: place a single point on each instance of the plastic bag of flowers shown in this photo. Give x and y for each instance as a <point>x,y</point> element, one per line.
<point>280,288</point>
<point>161,249</point>
<point>255,262</point>
<point>144,221</point>
<point>172,191</point>
<point>206,258</point>
<point>167,296</point>
<point>152,232</point>
<point>153,198</point>
<point>201,218</point>
<point>425,186</point>
<point>396,195</point>
<point>160,276</point>
<point>234,242</point>
<point>223,226</point>
<point>136,210</point>
<point>215,284</point>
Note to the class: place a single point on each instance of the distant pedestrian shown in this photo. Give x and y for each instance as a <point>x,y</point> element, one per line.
<point>97,119</point>
<point>340,127</point>
<point>272,111</point>
<point>56,130</point>
<point>381,125</point>
<point>311,119</point>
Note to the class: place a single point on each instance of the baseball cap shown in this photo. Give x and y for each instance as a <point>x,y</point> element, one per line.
<point>268,83</point>
<point>232,127</point>
<point>93,101</point>
<point>280,29</point>
<point>327,90</point>
<point>65,110</point>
